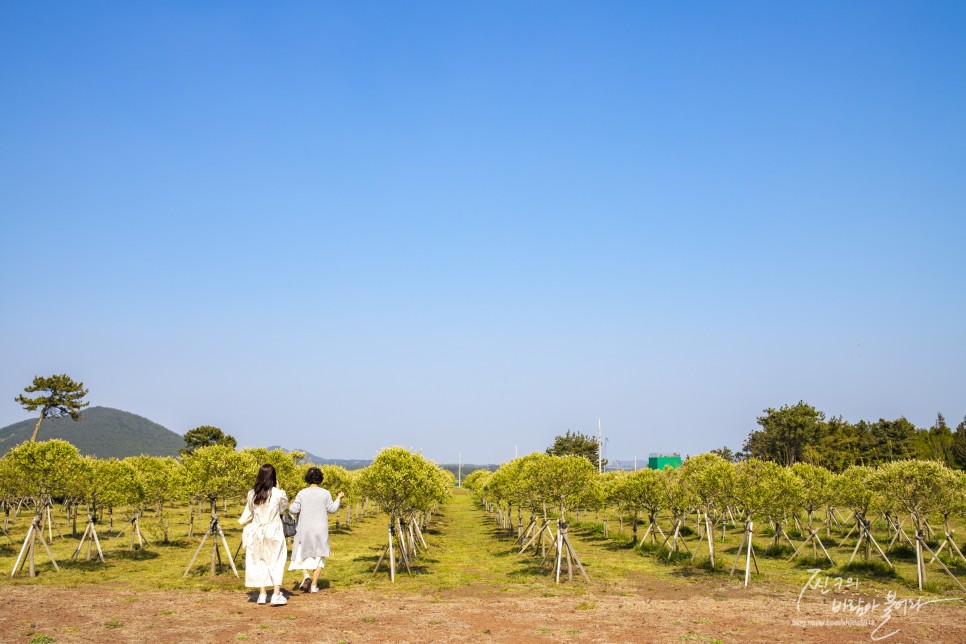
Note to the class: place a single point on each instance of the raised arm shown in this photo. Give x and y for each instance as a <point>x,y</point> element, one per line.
<point>332,506</point>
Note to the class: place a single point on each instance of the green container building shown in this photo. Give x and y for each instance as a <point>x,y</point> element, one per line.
<point>660,461</point>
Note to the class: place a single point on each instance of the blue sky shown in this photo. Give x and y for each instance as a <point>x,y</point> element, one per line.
<point>467,227</point>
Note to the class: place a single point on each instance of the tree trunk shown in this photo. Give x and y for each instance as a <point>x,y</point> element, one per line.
<point>37,427</point>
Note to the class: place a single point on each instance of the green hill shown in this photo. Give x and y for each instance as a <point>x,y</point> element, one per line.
<point>101,432</point>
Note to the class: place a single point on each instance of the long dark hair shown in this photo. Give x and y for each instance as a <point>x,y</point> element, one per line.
<point>264,483</point>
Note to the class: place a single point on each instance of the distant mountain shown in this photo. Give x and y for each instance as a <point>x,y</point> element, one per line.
<point>101,432</point>
<point>355,464</point>
<point>349,464</point>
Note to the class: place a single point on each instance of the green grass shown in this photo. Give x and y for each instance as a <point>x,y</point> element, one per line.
<point>467,550</point>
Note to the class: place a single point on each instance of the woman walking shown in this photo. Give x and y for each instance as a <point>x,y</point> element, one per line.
<point>310,547</point>
<point>264,541</point>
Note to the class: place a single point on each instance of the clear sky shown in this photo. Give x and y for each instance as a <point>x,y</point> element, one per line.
<point>466,227</point>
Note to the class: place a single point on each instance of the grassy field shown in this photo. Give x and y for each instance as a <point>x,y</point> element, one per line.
<point>467,550</point>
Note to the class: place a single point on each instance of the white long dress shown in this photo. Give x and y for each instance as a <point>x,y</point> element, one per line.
<point>264,541</point>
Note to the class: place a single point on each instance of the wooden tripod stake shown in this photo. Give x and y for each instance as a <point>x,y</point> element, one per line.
<point>709,533</point>
<point>653,529</point>
<point>897,530</point>
<point>525,534</point>
<point>538,538</point>
<point>921,562</point>
<point>390,550</point>
<point>675,539</point>
<point>779,535</point>
<point>50,522</point>
<point>135,524</point>
<point>90,534</point>
<point>816,542</point>
<point>27,551</point>
<point>948,540</point>
<point>749,546</point>
<point>213,527</point>
<point>566,551</point>
<point>865,536</point>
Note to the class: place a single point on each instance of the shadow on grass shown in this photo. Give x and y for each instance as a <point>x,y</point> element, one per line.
<point>675,559</point>
<point>529,569</point>
<point>136,555</point>
<point>297,586</point>
<point>874,568</point>
<point>812,562</point>
<point>340,529</point>
<point>781,551</point>
<point>593,534</point>
<point>177,543</point>
<point>903,551</point>
<point>83,565</point>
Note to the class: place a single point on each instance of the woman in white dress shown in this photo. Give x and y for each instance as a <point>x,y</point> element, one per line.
<point>264,541</point>
<point>310,547</point>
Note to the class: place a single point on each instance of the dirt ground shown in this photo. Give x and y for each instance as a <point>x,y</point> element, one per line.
<point>109,614</point>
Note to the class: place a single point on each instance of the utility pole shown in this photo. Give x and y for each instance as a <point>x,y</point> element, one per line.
<point>459,470</point>
<point>600,449</point>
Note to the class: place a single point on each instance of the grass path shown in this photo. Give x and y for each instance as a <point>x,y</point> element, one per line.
<point>469,551</point>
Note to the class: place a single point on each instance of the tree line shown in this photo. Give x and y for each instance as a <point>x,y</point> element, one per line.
<point>800,433</point>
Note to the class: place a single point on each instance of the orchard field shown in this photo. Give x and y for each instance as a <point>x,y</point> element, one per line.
<point>469,581</point>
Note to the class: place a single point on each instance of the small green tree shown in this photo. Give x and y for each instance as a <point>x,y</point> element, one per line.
<point>920,488</point>
<point>206,435</point>
<point>506,487</point>
<point>158,477</point>
<point>563,479</point>
<point>816,487</point>
<point>710,477</point>
<point>45,468</point>
<point>476,480</point>
<point>679,498</point>
<point>120,483</point>
<point>61,397</point>
<point>289,470</point>
<point>642,490</point>
<point>403,484</point>
<point>395,479</point>
<point>217,471</point>
<point>338,479</point>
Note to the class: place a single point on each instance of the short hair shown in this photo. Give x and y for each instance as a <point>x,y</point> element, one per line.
<point>314,475</point>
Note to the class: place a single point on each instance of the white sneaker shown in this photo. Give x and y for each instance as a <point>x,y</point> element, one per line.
<point>278,600</point>
<point>262,597</point>
<point>314,589</point>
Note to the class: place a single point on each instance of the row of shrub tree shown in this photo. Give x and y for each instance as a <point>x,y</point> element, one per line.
<point>711,485</point>
<point>398,481</point>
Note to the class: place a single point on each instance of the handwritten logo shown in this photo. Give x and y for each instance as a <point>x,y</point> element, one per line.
<point>860,611</point>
